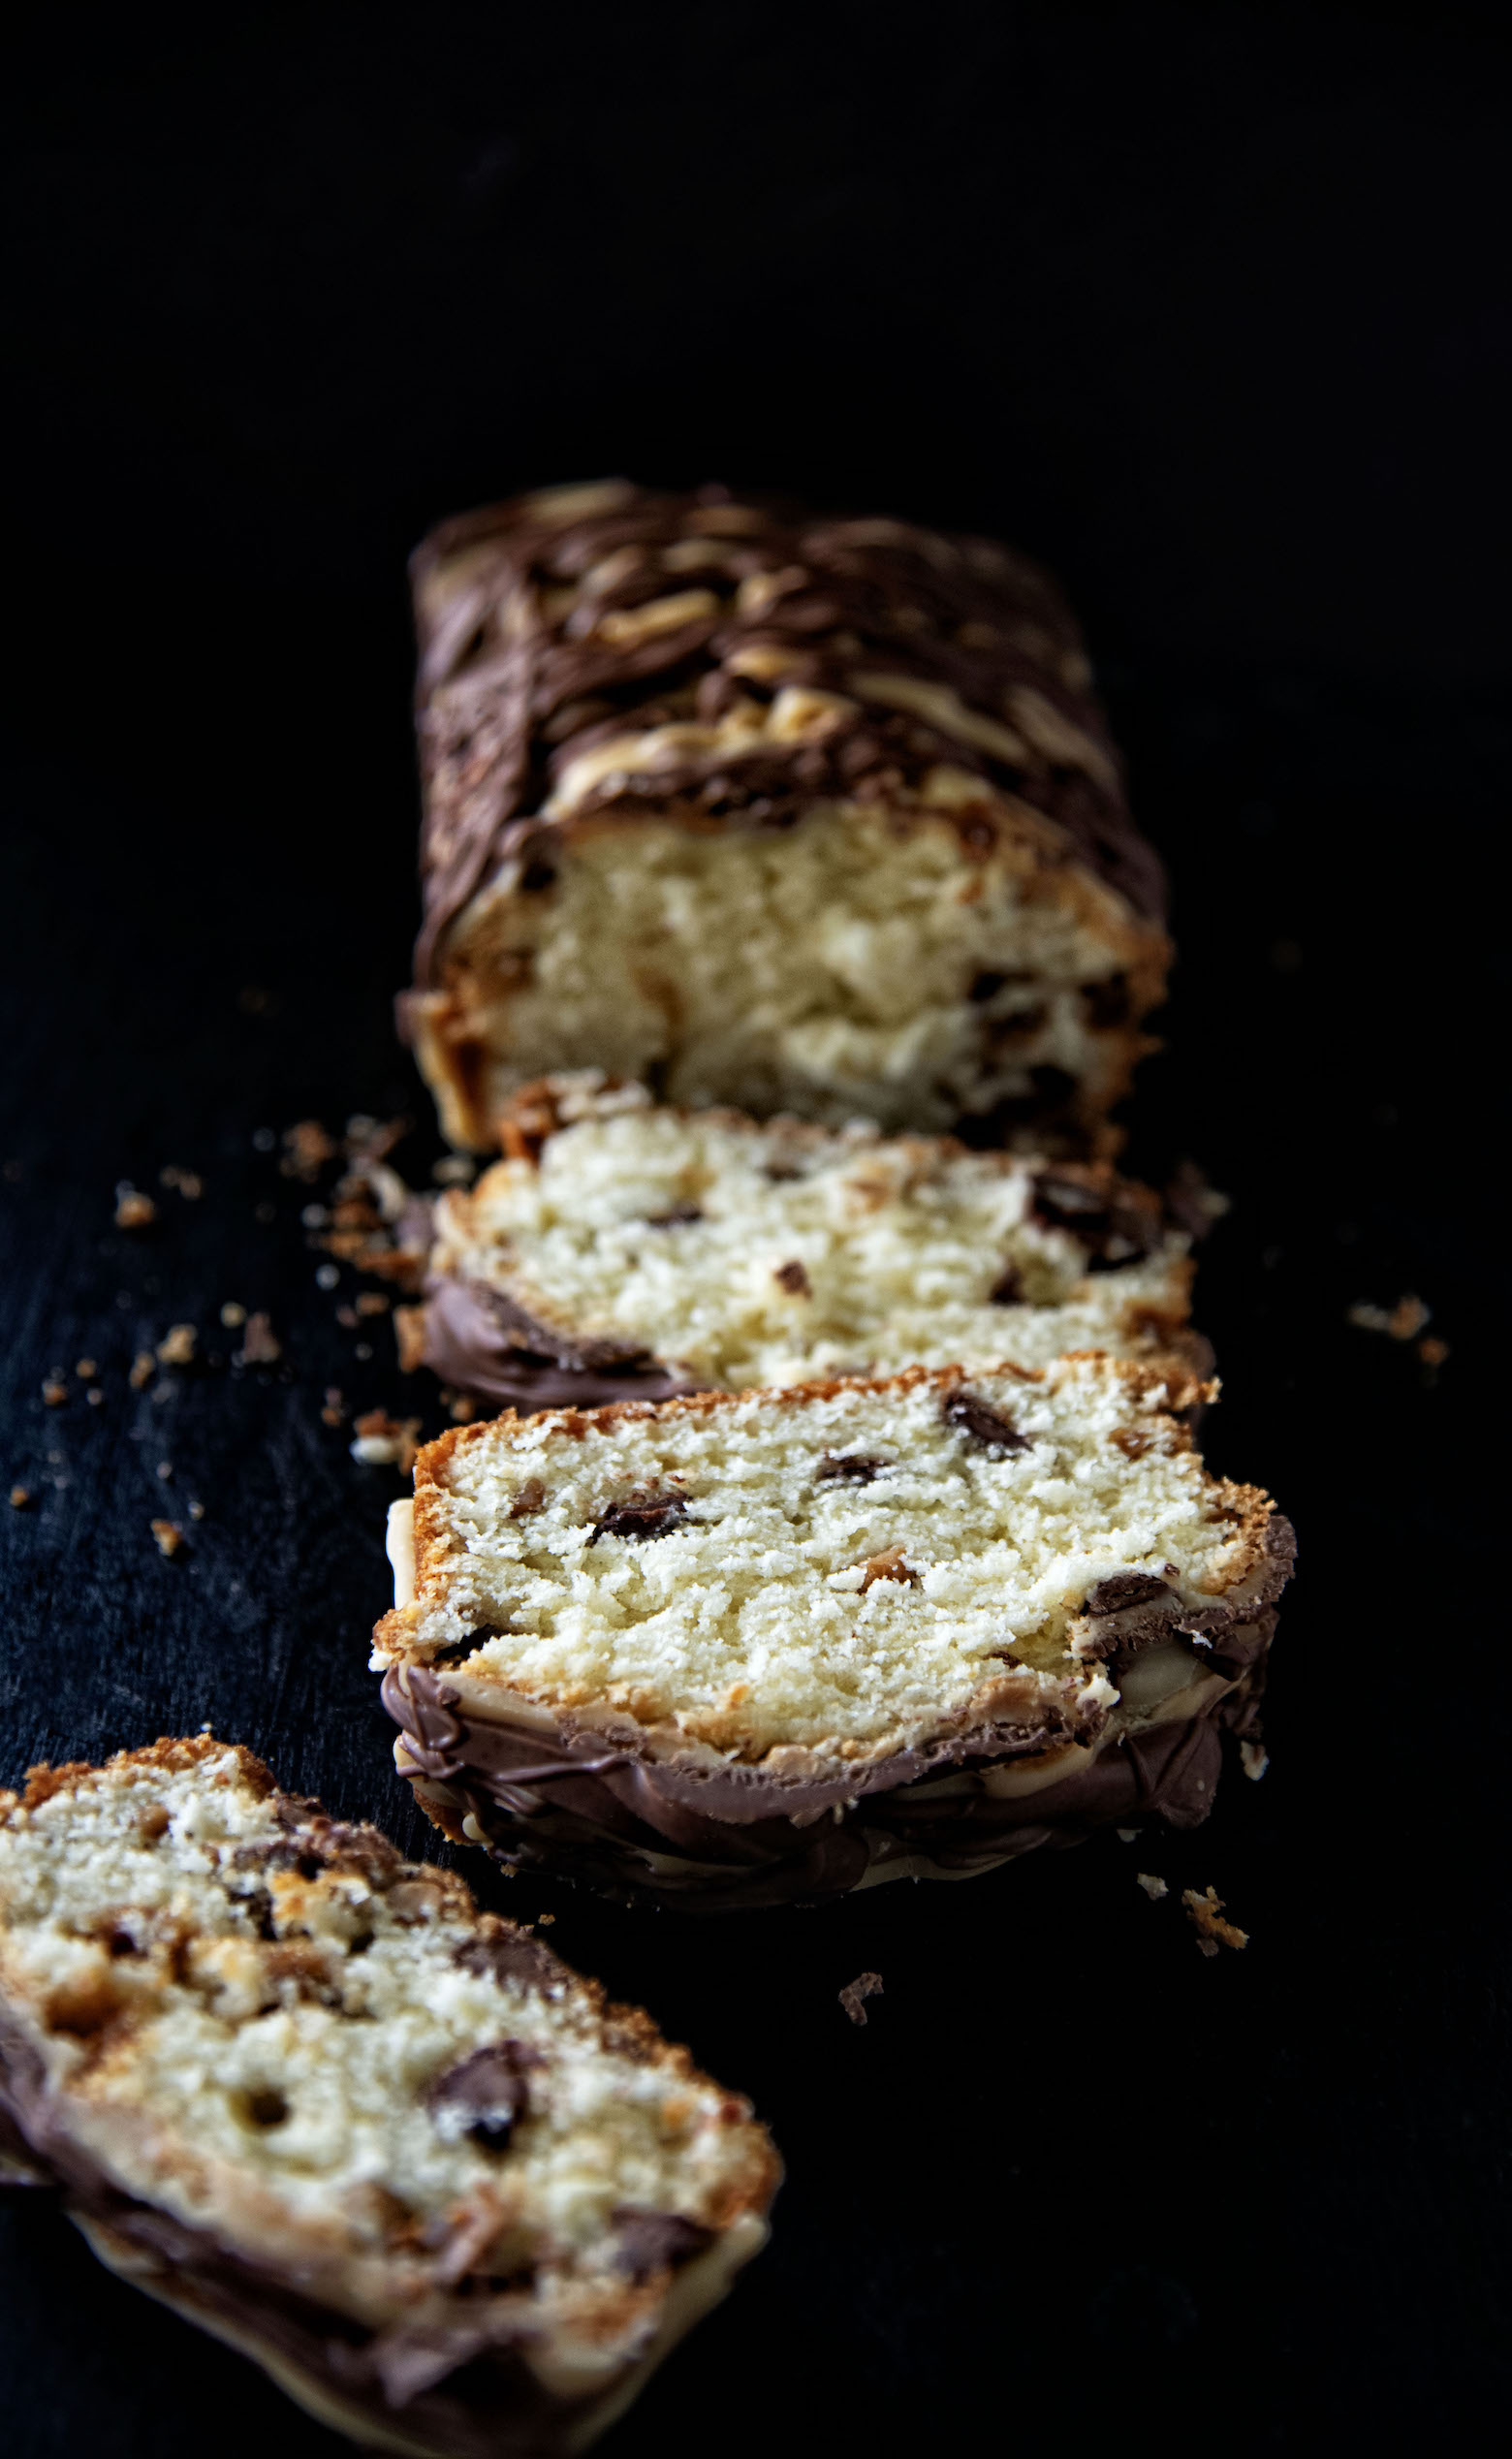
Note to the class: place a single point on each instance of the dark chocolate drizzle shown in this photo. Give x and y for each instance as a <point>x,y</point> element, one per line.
<point>514,683</point>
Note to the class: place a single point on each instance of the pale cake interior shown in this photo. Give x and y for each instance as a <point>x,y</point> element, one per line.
<point>848,966</point>
<point>255,2051</point>
<point>842,1568</point>
<point>751,1256</point>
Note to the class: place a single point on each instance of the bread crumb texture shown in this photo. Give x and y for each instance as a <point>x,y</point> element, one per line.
<point>856,963</point>
<point>849,1567</point>
<point>750,1255</point>
<point>267,2024</point>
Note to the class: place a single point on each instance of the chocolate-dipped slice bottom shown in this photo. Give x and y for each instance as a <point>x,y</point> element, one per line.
<point>629,1250</point>
<point>741,1649</point>
<point>770,808</point>
<point>305,2093</point>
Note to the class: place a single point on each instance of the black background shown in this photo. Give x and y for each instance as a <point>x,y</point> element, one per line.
<point>1205,305</point>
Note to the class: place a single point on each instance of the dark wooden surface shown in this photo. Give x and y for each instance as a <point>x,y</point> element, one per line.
<point>1200,304</point>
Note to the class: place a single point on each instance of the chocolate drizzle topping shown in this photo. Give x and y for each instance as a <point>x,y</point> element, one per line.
<point>549,627</point>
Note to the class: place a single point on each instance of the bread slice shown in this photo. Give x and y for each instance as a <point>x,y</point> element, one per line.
<point>752,1647</point>
<point>628,1250</point>
<point>771,809</point>
<point>306,2094</point>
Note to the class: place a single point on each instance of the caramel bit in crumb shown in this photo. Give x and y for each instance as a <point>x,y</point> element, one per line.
<point>86,1369</point>
<point>153,1823</point>
<point>1402,1322</point>
<point>308,1147</point>
<point>176,1347</point>
<point>409,1331</point>
<point>386,1442</point>
<point>190,1184</point>
<point>1155,1888</point>
<point>144,1366</point>
<point>1254,1758</point>
<point>794,1279</point>
<point>133,1210</point>
<point>259,1346</point>
<point>233,1316</point>
<point>169,1537</point>
<point>1204,1912</point>
<point>889,1564</point>
<point>372,1302</point>
<point>20,1497</point>
<point>55,1391</point>
<point>1133,1441</point>
<point>530,1497</point>
<point>855,1993</point>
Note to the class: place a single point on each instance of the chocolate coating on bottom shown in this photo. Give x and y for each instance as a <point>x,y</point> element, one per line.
<point>641,1832</point>
<point>479,1339</point>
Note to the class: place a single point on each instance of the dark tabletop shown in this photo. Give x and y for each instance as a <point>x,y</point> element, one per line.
<point>1200,304</point>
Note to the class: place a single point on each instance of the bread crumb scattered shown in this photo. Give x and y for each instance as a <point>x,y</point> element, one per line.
<point>1432,1352</point>
<point>167,1536</point>
<point>1402,1322</point>
<point>1126,1834</point>
<point>133,1210</point>
<point>190,1184</point>
<point>197,1512</point>
<point>144,1366</point>
<point>86,1369</point>
<point>852,1997</point>
<point>382,1442</point>
<point>308,1147</point>
<point>1155,1888</point>
<point>1254,1758</point>
<point>1204,1911</point>
<point>409,1331</point>
<point>55,1391</point>
<point>232,1317</point>
<point>372,1302</point>
<point>176,1347</point>
<point>20,1497</point>
<point>95,1396</point>
<point>259,1346</point>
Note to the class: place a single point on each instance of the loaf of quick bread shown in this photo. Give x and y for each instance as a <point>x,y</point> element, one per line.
<point>308,2095</point>
<point>771,808</point>
<point>747,1647</point>
<point>627,1250</point>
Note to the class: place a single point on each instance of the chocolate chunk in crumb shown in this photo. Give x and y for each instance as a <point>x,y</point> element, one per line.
<point>1125,1588</point>
<point>656,2241</point>
<point>983,1424</point>
<point>530,1498</point>
<point>503,1953</point>
<point>1007,1289</point>
<point>850,1468</point>
<point>676,1218</point>
<point>792,1277</point>
<point>484,2095</point>
<point>641,1516</point>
